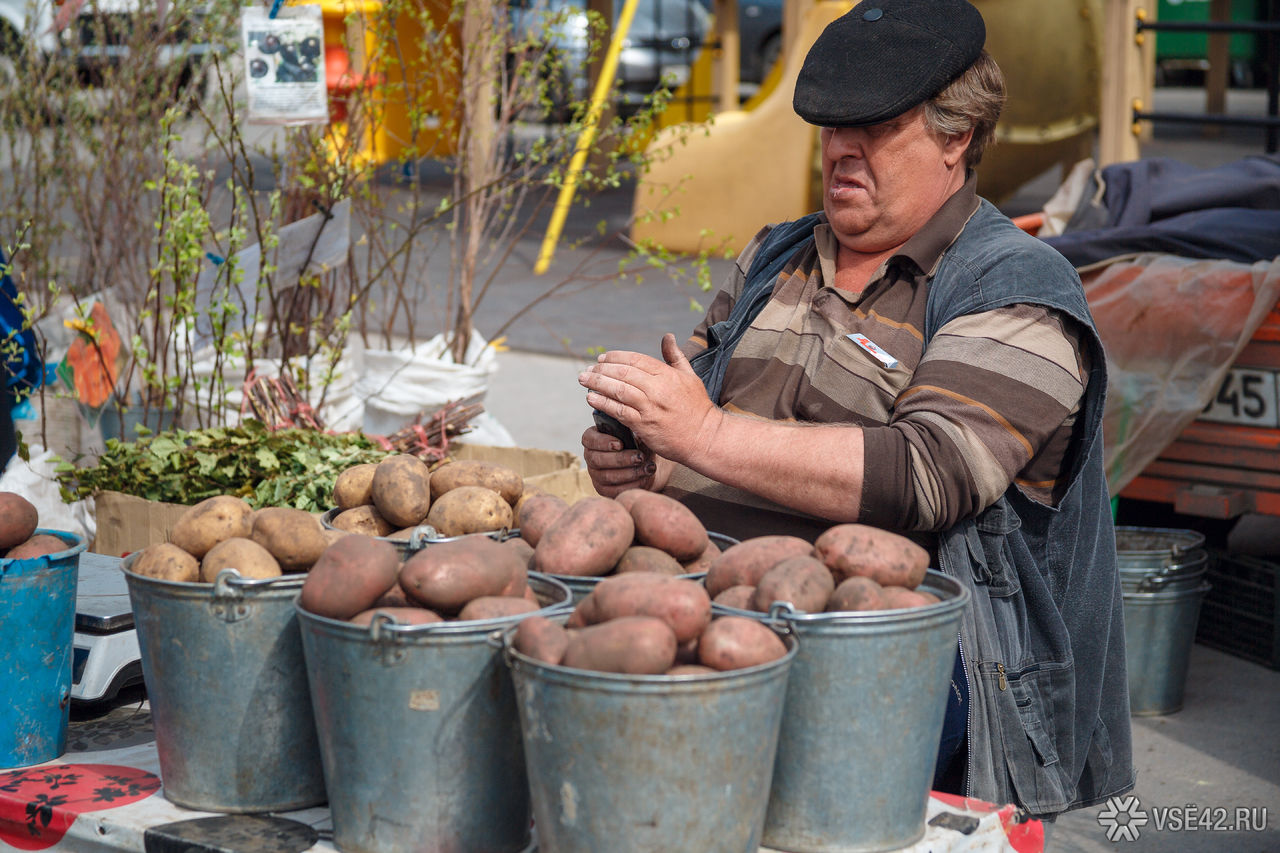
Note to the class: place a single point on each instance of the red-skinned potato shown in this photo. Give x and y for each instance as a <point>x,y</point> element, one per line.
<point>664,523</point>
<point>644,558</point>
<point>19,519</point>
<point>855,594</point>
<point>446,575</point>
<point>700,564</point>
<point>401,615</point>
<point>858,550</point>
<point>746,562</point>
<point>586,540</point>
<point>537,513</point>
<point>40,545</point>
<point>541,639</point>
<point>803,581</point>
<point>737,642</point>
<point>350,576</point>
<point>635,645</point>
<point>738,597</point>
<point>691,669</point>
<point>683,604</point>
<point>896,597</point>
<point>495,607</point>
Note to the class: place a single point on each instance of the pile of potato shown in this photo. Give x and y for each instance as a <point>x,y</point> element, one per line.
<point>392,497</point>
<point>464,579</point>
<point>225,532</point>
<point>638,531</point>
<point>19,520</point>
<point>848,568</point>
<point>643,623</point>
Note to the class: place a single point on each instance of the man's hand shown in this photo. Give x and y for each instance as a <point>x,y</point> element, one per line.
<point>614,469</point>
<point>664,404</point>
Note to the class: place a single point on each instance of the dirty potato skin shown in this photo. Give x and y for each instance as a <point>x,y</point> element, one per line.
<point>401,615</point>
<point>541,639</point>
<point>855,594</point>
<point>477,472</point>
<point>859,550</point>
<point>167,562</point>
<point>211,521</point>
<point>736,642</point>
<point>683,604</point>
<point>366,520</point>
<point>804,581</point>
<point>351,576</point>
<point>469,509</point>
<point>746,562</point>
<point>402,489</point>
<point>19,519</point>
<point>644,558</point>
<point>586,540</point>
<point>40,545</point>
<point>354,486</point>
<point>293,536</point>
<point>635,645</point>
<point>738,597</point>
<point>664,523</point>
<point>247,557</point>
<point>495,607</point>
<point>447,575</point>
<point>537,513</point>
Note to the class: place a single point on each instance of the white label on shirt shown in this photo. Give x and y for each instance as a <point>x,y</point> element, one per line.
<point>876,352</point>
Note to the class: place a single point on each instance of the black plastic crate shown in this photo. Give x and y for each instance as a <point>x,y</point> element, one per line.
<point>1240,614</point>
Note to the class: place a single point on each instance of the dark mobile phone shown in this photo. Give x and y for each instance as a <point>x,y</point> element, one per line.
<point>609,425</point>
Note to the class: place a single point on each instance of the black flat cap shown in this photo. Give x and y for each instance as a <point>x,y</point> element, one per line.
<point>884,57</point>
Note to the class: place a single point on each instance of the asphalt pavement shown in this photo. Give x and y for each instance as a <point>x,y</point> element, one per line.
<point>1204,771</point>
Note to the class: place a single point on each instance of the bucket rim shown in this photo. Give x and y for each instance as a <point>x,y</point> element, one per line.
<point>1144,597</point>
<point>421,536</point>
<point>387,626</point>
<point>513,657</point>
<point>783,613</point>
<point>224,582</point>
<point>76,547</point>
<point>585,582</point>
<point>1180,540</point>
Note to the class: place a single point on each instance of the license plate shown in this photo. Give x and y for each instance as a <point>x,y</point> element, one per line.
<point>1247,396</point>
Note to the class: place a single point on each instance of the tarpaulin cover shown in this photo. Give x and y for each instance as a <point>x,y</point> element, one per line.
<point>1180,265</point>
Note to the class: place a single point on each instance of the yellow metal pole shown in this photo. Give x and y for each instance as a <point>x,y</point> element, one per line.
<point>588,136</point>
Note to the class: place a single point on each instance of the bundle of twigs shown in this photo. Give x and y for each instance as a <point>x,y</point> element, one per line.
<point>276,402</point>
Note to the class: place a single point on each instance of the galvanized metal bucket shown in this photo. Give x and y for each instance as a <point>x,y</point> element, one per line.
<point>649,763</point>
<point>419,731</point>
<point>1152,559</point>
<point>227,683</point>
<point>1159,629</point>
<point>864,711</point>
<point>581,585</point>
<point>38,600</point>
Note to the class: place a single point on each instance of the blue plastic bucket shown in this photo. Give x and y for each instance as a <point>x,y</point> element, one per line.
<point>38,600</point>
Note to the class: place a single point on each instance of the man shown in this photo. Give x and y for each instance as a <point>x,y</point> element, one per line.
<point>20,369</point>
<point>908,358</point>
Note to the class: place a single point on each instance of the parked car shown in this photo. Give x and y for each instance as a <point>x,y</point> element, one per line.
<point>661,45</point>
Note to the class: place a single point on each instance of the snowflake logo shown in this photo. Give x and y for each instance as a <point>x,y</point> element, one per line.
<point>1122,818</point>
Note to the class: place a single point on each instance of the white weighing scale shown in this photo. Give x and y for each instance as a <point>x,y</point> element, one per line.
<point>105,655</point>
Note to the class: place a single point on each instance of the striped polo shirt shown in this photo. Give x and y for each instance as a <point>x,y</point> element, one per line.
<point>993,401</point>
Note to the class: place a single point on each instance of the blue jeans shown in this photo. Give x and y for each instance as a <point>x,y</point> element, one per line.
<point>954,724</point>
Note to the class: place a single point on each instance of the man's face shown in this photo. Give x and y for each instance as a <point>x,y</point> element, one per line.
<point>882,183</point>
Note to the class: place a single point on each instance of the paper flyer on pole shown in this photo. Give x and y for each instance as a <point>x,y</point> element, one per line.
<point>284,65</point>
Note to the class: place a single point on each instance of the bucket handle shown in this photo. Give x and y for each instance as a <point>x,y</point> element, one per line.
<point>425,534</point>
<point>384,632</point>
<point>228,593</point>
<point>781,616</point>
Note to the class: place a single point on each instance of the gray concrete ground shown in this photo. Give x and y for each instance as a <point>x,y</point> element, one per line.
<point>1200,768</point>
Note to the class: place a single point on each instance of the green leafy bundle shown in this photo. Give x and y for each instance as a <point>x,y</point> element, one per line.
<point>288,467</point>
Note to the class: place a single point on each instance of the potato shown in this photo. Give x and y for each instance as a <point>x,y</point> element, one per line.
<point>40,545</point>
<point>365,520</point>
<point>898,597</point>
<point>804,581</point>
<point>247,557</point>
<point>354,486</point>
<point>19,519</point>
<point>691,669</point>
<point>636,645</point>
<point>746,562</point>
<point>663,522</point>
<point>529,492</point>
<point>331,536</point>
<point>738,597</point>
<point>401,615</point>
<point>477,472</point>
<point>167,562</point>
<point>469,509</point>
<point>643,558</point>
<point>351,576</point>
<point>293,536</point>
<point>211,521</point>
<point>402,489</point>
<point>699,565</point>
<point>541,639</point>
<point>855,594</point>
<point>586,540</point>
<point>495,607</point>
<point>683,604</point>
<point>736,642</point>
<point>522,548</point>
<point>446,575</point>
<point>537,514</point>
<point>860,550</point>
<point>396,597</point>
